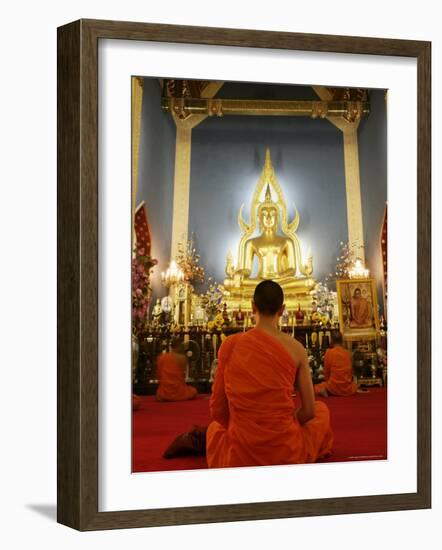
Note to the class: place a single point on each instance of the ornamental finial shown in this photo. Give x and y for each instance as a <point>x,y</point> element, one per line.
<point>268,195</point>
<point>268,161</point>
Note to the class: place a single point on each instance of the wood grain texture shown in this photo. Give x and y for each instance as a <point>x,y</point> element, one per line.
<point>424,274</point>
<point>68,276</point>
<point>77,224</point>
<point>252,38</point>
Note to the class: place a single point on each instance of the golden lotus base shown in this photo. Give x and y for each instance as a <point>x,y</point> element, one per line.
<point>296,293</point>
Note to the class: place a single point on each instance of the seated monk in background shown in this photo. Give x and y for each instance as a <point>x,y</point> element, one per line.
<point>337,370</point>
<point>171,373</point>
<point>254,420</point>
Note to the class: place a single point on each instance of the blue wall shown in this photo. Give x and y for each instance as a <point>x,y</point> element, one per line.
<point>373,172</point>
<point>155,176</point>
<point>227,159</point>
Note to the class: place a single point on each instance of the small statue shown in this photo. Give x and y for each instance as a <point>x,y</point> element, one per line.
<point>239,317</point>
<point>166,309</point>
<point>199,316</point>
<point>285,317</point>
<point>230,268</point>
<point>329,310</point>
<point>156,312</point>
<point>299,315</point>
<point>225,315</point>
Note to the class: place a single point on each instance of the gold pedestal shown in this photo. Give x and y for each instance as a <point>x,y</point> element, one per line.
<point>297,292</point>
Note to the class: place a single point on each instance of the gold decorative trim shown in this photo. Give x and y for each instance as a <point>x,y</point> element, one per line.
<point>352,176</point>
<point>137,101</point>
<point>181,186</point>
<point>184,107</point>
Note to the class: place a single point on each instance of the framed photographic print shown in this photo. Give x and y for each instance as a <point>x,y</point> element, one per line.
<point>195,164</point>
<point>358,308</point>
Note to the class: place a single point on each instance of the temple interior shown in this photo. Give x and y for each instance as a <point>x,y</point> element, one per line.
<point>235,183</point>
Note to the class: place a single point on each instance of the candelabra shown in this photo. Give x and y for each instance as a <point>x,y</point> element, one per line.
<point>358,270</point>
<point>172,276</point>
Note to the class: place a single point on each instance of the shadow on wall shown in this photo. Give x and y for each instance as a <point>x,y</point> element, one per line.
<point>48,511</point>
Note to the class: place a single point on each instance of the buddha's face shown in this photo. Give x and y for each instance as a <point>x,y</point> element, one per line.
<point>268,217</point>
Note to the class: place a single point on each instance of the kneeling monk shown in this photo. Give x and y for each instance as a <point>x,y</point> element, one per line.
<point>254,420</point>
<point>337,370</point>
<point>171,372</point>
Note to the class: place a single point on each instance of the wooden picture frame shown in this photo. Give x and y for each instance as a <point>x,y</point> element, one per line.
<point>77,225</point>
<point>345,289</point>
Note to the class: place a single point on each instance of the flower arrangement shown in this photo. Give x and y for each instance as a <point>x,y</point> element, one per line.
<point>188,261</point>
<point>212,298</point>
<point>142,264</point>
<point>217,323</point>
<point>219,320</point>
<point>316,317</point>
<point>325,300</point>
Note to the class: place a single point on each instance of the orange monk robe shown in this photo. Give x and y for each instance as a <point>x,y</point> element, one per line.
<point>337,373</point>
<point>361,313</point>
<point>252,408</point>
<point>171,377</point>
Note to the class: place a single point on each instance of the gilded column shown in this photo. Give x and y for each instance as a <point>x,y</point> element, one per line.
<point>353,189</point>
<point>352,177</point>
<point>181,186</point>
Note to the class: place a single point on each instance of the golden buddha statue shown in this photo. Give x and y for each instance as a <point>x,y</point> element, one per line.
<point>278,255</point>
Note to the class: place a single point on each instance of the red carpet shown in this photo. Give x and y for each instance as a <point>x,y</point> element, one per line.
<point>359,425</point>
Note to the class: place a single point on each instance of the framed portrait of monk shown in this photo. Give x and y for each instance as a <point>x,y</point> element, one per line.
<point>358,308</point>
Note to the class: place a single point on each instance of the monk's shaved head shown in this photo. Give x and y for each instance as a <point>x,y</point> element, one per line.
<point>177,345</point>
<point>336,337</point>
<point>268,297</point>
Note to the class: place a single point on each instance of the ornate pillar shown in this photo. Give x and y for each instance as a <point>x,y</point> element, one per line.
<point>352,177</point>
<point>353,189</point>
<point>181,186</point>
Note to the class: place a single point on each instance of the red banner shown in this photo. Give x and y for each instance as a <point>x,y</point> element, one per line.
<point>142,232</point>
